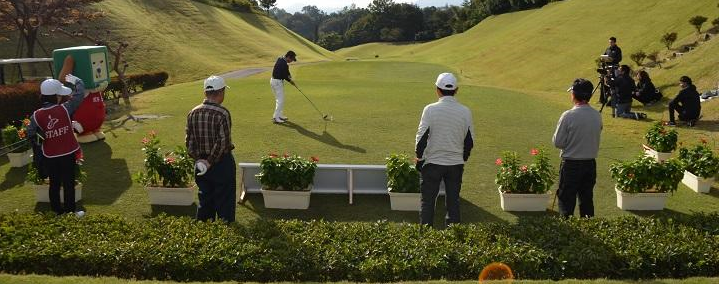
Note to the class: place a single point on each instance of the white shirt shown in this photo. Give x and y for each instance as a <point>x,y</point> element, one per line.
<point>448,123</point>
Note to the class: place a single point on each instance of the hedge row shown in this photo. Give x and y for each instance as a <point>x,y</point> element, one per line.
<point>186,250</point>
<point>135,83</point>
<point>18,101</point>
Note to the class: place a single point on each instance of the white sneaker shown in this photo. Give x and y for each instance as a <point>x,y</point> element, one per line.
<point>80,214</point>
<point>277,120</point>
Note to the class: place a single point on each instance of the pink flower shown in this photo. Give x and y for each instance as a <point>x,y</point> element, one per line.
<point>145,140</point>
<point>285,155</point>
<point>169,160</point>
<point>523,169</point>
<point>314,159</point>
<point>498,162</point>
<point>273,155</point>
<point>534,152</point>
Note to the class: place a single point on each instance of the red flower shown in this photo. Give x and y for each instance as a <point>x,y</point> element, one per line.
<point>21,133</point>
<point>314,159</point>
<point>26,122</point>
<point>285,155</point>
<point>498,162</point>
<point>169,160</point>
<point>273,155</point>
<point>630,175</point>
<point>145,140</point>
<point>534,152</point>
<point>523,169</point>
<point>704,141</point>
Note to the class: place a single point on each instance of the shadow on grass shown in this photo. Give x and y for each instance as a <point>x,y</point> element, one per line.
<point>107,178</point>
<point>366,208</point>
<point>666,213</point>
<point>13,178</point>
<point>325,137</point>
<point>177,211</point>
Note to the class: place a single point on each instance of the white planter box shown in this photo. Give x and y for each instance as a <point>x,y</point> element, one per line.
<point>405,201</point>
<point>641,201</point>
<point>19,160</point>
<point>698,184</point>
<point>172,196</point>
<point>524,202</point>
<point>659,156</point>
<point>42,193</point>
<point>280,199</point>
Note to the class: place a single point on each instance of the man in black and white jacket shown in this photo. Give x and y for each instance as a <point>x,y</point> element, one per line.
<point>280,73</point>
<point>443,144</point>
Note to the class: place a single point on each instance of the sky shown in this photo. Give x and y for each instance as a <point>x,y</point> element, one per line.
<point>329,6</point>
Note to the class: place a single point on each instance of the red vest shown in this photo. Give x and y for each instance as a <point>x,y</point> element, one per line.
<point>59,137</point>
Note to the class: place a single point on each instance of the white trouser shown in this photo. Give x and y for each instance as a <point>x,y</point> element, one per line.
<point>278,87</point>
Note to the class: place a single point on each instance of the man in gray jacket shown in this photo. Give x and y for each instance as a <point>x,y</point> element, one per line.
<point>577,135</point>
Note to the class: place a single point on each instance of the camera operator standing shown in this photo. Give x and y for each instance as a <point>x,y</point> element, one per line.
<point>622,90</point>
<point>614,52</point>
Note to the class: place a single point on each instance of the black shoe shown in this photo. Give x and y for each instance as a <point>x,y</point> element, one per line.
<point>284,118</point>
<point>642,115</point>
<point>692,123</point>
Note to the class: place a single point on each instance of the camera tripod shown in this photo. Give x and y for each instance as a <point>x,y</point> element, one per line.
<point>604,93</point>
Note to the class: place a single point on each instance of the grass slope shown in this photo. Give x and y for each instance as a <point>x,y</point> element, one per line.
<point>191,40</point>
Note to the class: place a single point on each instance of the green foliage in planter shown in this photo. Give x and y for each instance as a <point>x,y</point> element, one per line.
<point>289,173</point>
<point>12,136</point>
<point>182,249</point>
<point>402,176</point>
<point>700,160</point>
<point>660,139</point>
<point>645,174</point>
<point>171,169</point>
<point>537,177</point>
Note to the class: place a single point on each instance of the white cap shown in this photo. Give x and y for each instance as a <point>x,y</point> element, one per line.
<point>51,87</point>
<point>214,83</point>
<point>446,81</point>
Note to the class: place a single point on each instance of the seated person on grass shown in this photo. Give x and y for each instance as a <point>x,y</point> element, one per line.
<point>686,103</point>
<point>645,92</point>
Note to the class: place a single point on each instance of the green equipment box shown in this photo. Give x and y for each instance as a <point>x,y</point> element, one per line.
<point>90,64</point>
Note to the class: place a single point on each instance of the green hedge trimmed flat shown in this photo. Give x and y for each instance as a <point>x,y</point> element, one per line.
<point>183,249</point>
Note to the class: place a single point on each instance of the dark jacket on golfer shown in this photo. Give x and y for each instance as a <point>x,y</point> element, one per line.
<point>578,135</point>
<point>444,141</point>
<point>281,71</point>
<point>55,155</point>
<point>208,137</point>
<point>686,103</point>
<point>615,53</point>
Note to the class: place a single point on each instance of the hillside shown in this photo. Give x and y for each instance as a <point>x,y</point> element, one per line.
<point>543,49</point>
<point>191,40</point>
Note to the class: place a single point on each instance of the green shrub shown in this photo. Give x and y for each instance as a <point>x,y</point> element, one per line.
<point>660,139</point>
<point>537,177</point>
<point>183,249</point>
<point>290,173</point>
<point>402,176</point>
<point>135,83</point>
<point>700,160</point>
<point>646,174</point>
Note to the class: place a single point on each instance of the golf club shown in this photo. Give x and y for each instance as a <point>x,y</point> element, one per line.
<point>326,117</point>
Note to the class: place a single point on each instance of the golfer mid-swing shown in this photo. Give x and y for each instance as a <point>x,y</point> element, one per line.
<point>281,72</point>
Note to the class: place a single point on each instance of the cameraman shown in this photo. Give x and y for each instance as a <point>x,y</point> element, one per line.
<point>622,90</point>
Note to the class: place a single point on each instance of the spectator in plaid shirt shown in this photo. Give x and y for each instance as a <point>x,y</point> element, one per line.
<point>209,143</point>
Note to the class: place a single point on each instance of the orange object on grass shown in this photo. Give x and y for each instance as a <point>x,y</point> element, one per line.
<point>496,271</point>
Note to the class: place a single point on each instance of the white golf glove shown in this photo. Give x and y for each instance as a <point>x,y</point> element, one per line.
<point>77,126</point>
<point>201,167</point>
<point>72,79</point>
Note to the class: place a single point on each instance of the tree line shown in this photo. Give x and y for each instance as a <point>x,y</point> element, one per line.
<point>387,21</point>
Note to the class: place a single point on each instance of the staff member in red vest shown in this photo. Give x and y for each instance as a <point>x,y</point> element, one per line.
<point>51,127</point>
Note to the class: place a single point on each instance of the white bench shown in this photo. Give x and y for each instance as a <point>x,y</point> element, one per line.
<point>329,179</point>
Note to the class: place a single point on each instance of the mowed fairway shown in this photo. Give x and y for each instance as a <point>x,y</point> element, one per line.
<point>376,106</point>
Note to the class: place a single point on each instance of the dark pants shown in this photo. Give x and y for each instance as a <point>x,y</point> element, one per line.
<point>61,171</point>
<point>217,191</point>
<point>432,176</point>
<point>684,114</point>
<point>576,180</point>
